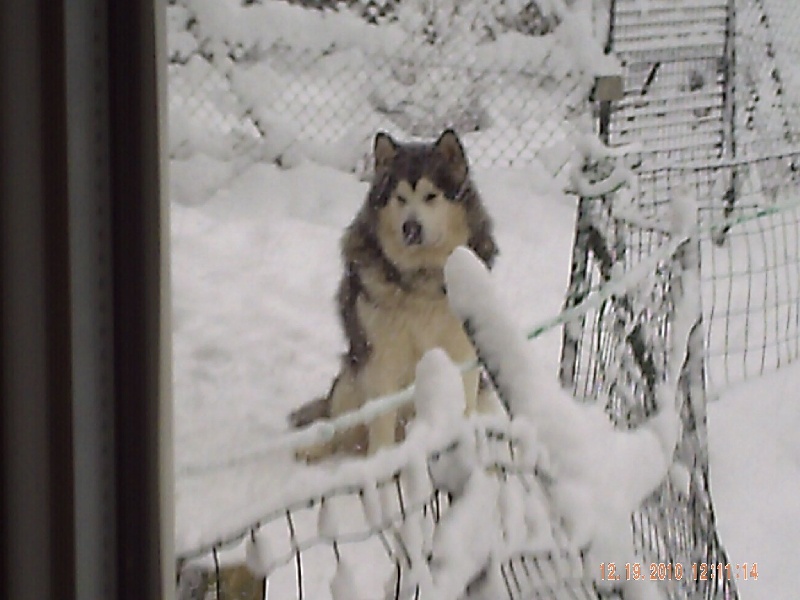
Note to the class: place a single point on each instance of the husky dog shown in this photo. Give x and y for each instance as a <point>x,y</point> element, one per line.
<point>421,205</point>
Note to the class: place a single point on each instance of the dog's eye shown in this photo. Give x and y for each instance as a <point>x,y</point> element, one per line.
<point>401,200</point>
<point>430,198</point>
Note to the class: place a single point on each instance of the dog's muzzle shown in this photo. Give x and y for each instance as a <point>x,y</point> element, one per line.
<point>412,232</point>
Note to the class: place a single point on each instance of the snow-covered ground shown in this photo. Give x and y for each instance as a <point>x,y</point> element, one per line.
<point>755,479</point>
<point>255,268</point>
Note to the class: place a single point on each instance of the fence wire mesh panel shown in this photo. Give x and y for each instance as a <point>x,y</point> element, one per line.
<point>277,81</point>
<point>711,80</point>
<point>675,57</point>
<point>618,353</point>
<point>750,260</point>
<point>369,539</point>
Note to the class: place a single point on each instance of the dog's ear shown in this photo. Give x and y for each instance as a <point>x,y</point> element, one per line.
<point>450,149</point>
<point>384,150</point>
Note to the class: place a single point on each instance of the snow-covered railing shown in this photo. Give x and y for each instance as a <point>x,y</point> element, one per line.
<point>461,507</point>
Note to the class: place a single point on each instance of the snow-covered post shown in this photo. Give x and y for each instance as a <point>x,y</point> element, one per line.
<point>596,176</point>
<point>577,290</point>
<point>729,120</point>
<point>686,300</point>
<point>578,442</point>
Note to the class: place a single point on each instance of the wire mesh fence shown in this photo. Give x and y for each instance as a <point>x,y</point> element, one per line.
<point>618,353</point>
<point>377,538</point>
<point>279,81</point>
<point>750,260</point>
<point>713,89</point>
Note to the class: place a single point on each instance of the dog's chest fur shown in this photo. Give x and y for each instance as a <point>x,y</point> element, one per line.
<point>408,322</point>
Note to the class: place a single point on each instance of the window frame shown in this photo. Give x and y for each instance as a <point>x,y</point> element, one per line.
<point>87,478</point>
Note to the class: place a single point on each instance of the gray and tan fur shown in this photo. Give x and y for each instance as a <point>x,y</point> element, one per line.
<point>421,205</point>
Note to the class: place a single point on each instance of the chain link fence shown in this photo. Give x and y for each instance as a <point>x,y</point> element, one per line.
<point>709,86</point>
<point>617,355</point>
<point>280,81</point>
<point>751,293</point>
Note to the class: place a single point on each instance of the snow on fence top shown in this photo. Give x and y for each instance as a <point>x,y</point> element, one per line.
<point>280,82</point>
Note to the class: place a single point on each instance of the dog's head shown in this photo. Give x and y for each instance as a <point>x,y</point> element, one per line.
<point>418,198</point>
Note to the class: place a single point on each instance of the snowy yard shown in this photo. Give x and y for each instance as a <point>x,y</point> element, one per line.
<point>255,257</point>
<point>254,272</point>
<point>755,479</point>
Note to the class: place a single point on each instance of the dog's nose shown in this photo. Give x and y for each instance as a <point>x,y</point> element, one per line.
<point>412,232</point>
